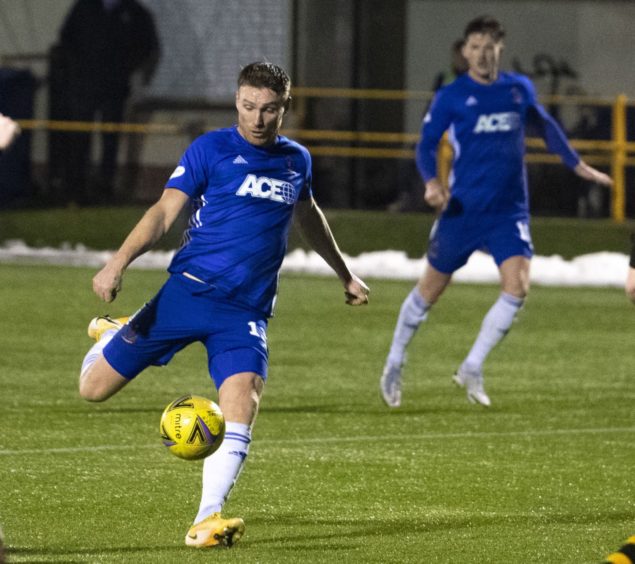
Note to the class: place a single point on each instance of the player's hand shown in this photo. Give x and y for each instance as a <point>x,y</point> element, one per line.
<point>629,286</point>
<point>356,291</point>
<point>9,130</point>
<point>591,174</point>
<point>436,195</point>
<point>107,283</point>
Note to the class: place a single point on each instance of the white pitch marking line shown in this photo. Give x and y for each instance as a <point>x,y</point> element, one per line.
<point>353,439</point>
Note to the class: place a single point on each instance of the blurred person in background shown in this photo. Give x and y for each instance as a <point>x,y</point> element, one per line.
<point>102,44</point>
<point>486,206</point>
<point>458,66</point>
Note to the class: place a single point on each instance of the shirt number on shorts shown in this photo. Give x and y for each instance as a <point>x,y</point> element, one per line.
<point>257,331</point>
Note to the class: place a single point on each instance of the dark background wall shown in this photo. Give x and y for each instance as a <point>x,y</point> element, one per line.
<point>355,44</point>
<point>385,44</point>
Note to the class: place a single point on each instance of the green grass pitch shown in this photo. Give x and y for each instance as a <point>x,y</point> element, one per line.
<point>545,475</point>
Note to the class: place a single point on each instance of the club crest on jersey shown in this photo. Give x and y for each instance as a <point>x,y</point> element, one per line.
<point>494,123</point>
<point>178,171</point>
<point>517,96</point>
<point>267,188</point>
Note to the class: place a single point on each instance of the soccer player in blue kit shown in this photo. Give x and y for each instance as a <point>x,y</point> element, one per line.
<point>486,206</point>
<point>245,183</point>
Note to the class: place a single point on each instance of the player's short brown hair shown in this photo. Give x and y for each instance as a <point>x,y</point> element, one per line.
<point>486,25</point>
<point>266,75</point>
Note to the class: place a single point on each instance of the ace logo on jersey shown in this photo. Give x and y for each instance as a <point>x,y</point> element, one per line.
<point>493,123</point>
<point>267,188</point>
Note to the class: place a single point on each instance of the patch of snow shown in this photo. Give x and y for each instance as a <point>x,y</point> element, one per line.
<point>597,269</point>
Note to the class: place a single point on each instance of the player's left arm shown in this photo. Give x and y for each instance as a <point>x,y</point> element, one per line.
<point>557,143</point>
<point>591,174</point>
<point>317,233</point>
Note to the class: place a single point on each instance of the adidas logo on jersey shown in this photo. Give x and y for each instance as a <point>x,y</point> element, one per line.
<point>471,101</point>
<point>239,160</point>
<point>493,123</point>
<point>267,188</point>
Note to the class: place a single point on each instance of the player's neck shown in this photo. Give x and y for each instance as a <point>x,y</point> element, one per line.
<point>483,79</point>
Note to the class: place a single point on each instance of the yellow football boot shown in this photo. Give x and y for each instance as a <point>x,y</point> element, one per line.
<point>99,325</point>
<point>215,531</point>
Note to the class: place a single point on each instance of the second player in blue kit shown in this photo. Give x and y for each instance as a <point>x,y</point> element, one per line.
<point>486,206</point>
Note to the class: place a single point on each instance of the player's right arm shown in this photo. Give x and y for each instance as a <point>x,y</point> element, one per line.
<point>436,195</point>
<point>435,123</point>
<point>152,226</point>
<point>9,131</point>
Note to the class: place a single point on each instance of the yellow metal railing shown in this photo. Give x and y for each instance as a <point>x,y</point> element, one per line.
<point>616,153</point>
<point>104,127</point>
<point>618,158</point>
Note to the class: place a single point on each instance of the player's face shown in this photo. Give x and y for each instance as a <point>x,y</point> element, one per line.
<point>482,54</point>
<point>260,112</point>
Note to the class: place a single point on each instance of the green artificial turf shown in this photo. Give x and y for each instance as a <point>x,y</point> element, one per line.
<point>545,475</point>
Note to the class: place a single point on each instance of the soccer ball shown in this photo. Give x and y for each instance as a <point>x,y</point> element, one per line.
<point>192,427</point>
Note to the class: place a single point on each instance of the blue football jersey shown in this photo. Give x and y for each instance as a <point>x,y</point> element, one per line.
<point>243,198</point>
<point>486,127</point>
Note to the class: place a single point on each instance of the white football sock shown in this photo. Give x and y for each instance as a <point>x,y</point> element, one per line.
<point>414,311</point>
<point>96,350</point>
<point>495,326</point>
<point>221,469</point>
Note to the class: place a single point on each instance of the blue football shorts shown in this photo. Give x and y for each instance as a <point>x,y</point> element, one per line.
<point>454,239</point>
<point>185,311</point>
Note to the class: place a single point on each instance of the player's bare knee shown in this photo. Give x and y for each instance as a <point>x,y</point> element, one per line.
<point>519,289</point>
<point>87,388</point>
<point>239,397</point>
<point>91,393</point>
<point>97,383</point>
<point>431,292</point>
<point>97,391</point>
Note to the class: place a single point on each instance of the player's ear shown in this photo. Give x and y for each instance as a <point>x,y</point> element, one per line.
<point>287,104</point>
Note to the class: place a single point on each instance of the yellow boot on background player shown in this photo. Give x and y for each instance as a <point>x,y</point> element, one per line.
<point>625,555</point>
<point>99,325</point>
<point>215,531</point>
